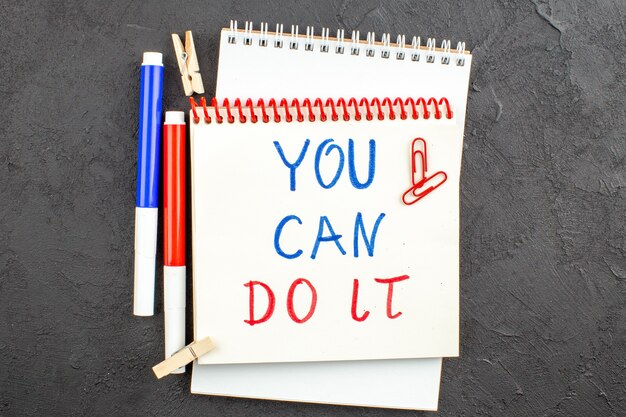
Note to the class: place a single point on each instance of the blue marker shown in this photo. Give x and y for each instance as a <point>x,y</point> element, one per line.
<point>148,169</point>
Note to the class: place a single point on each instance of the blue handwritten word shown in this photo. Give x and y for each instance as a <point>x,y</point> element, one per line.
<point>326,233</point>
<point>324,149</point>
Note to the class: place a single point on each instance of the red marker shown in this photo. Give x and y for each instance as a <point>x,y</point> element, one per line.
<point>174,276</point>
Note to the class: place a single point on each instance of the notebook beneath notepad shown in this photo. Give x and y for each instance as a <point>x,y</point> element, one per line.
<point>360,238</point>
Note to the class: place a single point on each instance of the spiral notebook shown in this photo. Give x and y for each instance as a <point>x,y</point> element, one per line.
<point>292,63</point>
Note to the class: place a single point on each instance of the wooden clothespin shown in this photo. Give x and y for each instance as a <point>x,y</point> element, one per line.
<point>187,354</point>
<point>188,64</point>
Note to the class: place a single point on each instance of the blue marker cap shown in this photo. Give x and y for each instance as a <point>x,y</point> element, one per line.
<point>150,115</point>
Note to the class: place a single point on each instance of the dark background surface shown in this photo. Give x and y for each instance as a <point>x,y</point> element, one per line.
<point>543,203</point>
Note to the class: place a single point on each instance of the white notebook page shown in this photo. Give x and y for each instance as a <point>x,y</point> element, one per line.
<point>256,221</point>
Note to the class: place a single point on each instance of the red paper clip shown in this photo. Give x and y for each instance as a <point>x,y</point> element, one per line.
<point>422,184</point>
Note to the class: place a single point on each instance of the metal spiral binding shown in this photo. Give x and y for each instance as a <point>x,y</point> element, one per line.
<point>387,108</point>
<point>368,47</point>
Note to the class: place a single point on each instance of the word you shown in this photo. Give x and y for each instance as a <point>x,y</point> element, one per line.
<point>324,149</point>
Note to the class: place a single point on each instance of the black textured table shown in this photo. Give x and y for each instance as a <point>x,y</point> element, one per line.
<point>543,266</point>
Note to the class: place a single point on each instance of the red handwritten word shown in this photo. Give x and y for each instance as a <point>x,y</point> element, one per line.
<point>271,300</point>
